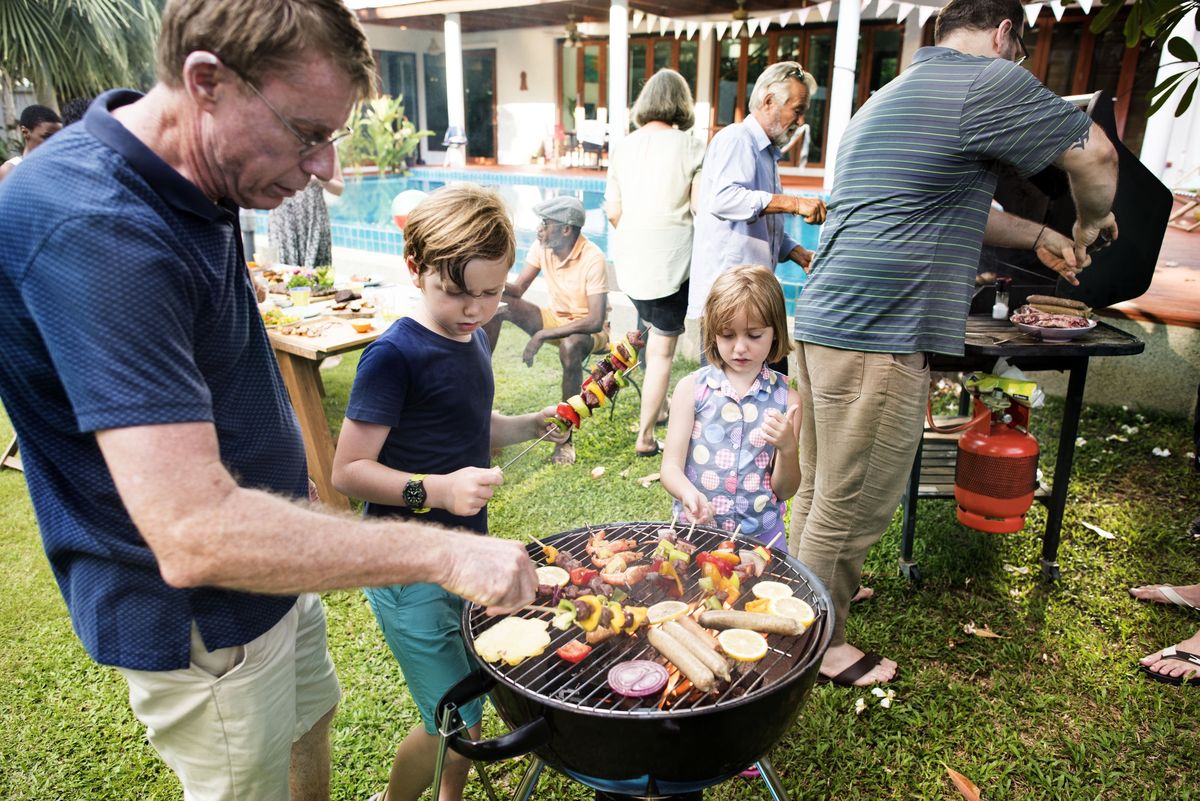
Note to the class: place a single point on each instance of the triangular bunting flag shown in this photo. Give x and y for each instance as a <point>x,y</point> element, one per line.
<point>862,7</point>
<point>650,20</point>
<point>823,9</point>
<point>736,29</point>
<point>1057,7</point>
<point>663,24</point>
<point>884,5</point>
<point>678,28</point>
<point>903,10</point>
<point>784,16</point>
<point>802,15</point>
<point>637,18</point>
<point>924,13</point>
<point>1031,13</point>
<point>692,25</point>
<point>705,29</point>
<point>1086,5</point>
<point>719,28</point>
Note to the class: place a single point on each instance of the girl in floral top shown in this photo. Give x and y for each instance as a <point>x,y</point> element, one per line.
<point>731,456</point>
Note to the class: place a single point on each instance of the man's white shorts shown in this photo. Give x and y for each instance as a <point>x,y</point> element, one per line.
<point>226,723</point>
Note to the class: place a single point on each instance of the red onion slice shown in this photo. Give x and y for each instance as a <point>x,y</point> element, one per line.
<point>637,678</point>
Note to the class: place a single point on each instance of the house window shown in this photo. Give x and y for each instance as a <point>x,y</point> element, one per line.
<point>436,116</point>
<point>398,78</point>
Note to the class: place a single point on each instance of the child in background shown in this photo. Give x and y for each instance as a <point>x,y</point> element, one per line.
<point>732,455</point>
<point>417,440</point>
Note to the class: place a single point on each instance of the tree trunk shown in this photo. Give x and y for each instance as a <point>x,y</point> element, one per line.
<point>10,115</point>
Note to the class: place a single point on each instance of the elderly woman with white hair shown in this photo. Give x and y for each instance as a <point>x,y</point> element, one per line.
<point>741,199</point>
<point>652,176</point>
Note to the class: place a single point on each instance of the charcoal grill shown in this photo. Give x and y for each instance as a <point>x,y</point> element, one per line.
<point>571,720</point>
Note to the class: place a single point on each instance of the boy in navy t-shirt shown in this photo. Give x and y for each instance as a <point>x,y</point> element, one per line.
<point>417,440</point>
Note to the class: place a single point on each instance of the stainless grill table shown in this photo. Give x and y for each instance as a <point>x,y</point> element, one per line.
<point>987,340</point>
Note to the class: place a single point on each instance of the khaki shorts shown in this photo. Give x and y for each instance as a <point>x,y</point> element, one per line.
<point>226,723</point>
<point>552,320</point>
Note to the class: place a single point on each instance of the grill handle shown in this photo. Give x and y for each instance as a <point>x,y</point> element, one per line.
<point>527,738</point>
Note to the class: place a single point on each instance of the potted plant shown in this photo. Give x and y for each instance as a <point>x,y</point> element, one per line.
<point>381,135</point>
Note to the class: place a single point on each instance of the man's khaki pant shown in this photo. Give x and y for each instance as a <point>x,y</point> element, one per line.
<point>858,437</point>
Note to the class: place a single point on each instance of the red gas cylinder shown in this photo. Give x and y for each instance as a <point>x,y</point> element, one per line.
<point>996,474</point>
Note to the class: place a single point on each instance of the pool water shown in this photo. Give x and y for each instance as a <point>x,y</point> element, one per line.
<point>361,218</point>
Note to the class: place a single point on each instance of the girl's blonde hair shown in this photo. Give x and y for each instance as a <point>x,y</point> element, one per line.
<point>752,289</point>
<point>455,225</point>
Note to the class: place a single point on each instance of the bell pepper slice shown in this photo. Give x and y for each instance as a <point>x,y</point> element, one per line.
<point>618,617</point>
<point>582,576</point>
<point>760,605</point>
<point>581,409</point>
<point>568,414</point>
<point>591,385</point>
<point>635,618</point>
<point>597,605</point>
<point>574,652</point>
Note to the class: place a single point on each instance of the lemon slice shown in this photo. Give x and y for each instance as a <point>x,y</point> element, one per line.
<point>553,576</point>
<point>742,644</point>
<point>771,590</point>
<point>663,611</point>
<point>794,608</point>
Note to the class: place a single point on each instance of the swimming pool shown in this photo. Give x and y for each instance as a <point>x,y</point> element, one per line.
<point>361,218</point>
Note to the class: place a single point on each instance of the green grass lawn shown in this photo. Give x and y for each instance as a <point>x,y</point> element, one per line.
<point>1054,710</point>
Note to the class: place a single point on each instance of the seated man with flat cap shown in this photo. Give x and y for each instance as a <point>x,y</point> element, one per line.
<point>577,282</point>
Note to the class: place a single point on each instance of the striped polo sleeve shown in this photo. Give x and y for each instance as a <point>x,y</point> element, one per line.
<point>1010,116</point>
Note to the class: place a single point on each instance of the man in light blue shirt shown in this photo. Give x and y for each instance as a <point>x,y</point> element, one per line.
<point>740,199</point>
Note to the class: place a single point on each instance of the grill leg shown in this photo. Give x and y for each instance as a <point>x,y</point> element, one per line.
<point>771,779</point>
<point>529,780</point>
<point>1062,468</point>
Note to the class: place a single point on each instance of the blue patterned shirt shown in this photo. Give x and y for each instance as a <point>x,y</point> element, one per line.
<point>125,301</point>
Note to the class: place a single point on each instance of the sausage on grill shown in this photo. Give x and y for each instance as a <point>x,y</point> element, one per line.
<point>682,657</point>
<point>711,659</point>
<point>767,624</point>
<point>1070,303</point>
<point>702,634</point>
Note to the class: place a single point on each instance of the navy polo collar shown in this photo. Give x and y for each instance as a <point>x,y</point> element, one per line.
<point>174,189</point>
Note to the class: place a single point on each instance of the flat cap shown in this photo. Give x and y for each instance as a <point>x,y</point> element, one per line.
<point>562,209</point>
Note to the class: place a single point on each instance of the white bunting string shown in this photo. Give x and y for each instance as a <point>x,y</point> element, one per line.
<point>924,13</point>
<point>692,25</point>
<point>784,16</point>
<point>1031,13</point>
<point>678,26</point>
<point>1057,7</point>
<point>802,15</point>
<point>735,29</point>
<point>706,29</point>
<point>862,7</point>
<point>1086,5</point>
<point>903,10</point>
<point>719,28</point>
<point>663,24</point>
<point>637,18</point>
<point>823,9</point>
<point>884,5</point>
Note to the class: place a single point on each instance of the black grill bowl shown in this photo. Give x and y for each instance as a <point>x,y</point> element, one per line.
<point>575,724</point>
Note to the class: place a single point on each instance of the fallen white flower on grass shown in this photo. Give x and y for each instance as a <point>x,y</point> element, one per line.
<point>860,706</point>
<point>1080,442</point>
<point>1128,429</point>
<point>1023,570</point>
<point>1116,438</point>
<point>1108,535</point>
<point>1161,452</point>
<point>597,471</point>
<point>886,703</point>
<point>878,692</point>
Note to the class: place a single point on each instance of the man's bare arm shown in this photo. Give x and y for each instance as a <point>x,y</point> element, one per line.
<point>1056,251</point>
<point>518,288</point>
<point>1091,164</point>
<point>205,530</point>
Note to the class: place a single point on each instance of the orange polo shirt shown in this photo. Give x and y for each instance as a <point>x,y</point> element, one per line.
<point>569,281</point>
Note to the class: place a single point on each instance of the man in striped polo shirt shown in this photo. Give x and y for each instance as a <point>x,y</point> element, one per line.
<point>893,277</point>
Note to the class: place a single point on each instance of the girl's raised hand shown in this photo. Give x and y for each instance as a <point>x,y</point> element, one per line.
<point>780,430</point>
<point>697,507</point>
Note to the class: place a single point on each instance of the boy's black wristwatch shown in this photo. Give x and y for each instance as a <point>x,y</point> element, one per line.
<point>414,494</point>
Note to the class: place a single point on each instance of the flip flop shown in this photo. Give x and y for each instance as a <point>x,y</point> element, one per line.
<point>1168,592</point>
<point>1172,652</point>
<point>658,446</point>
<point>865,664</point>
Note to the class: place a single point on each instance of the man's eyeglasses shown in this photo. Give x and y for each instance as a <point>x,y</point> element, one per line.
<point>308,145</point>
<point>1020,44</point>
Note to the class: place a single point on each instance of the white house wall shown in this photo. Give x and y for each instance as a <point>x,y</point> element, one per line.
<point>523,118</point>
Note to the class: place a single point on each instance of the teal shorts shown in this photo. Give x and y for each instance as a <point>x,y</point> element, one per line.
<point>420,623</point>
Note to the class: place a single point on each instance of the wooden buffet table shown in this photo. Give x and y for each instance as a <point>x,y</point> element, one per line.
<point>987,340</point>
<point>299,360</point>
